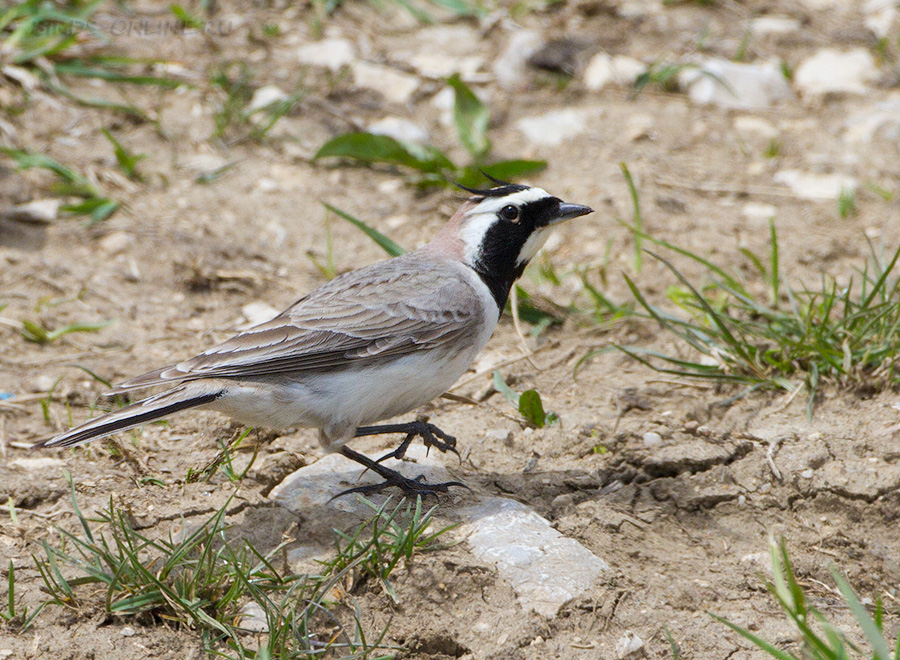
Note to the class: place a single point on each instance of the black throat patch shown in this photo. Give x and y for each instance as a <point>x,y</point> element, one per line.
<point>497,261</point>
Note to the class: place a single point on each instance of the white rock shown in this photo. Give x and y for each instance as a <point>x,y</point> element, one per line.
<point>758,211</point>
<point>128,631</point>
<point>638,126</point>
<point>880,16</point>
<point>395,86</point>
<point>43,383</point>
<point>807,185</point>
<point>807,473</point>
<point>759,558</point>
<point>438,65</point>
<point>639,8</point>
<point>400,129</point>
<point>115,242</point>
<point>553,127</point>
<point>773,25</point>
<point>511,67</point>
<point>258,312</point>
<point>604,70</point>
<point>253,618</point>
<point>758,125</point>
<point>445,50</point>
<point>201,162</point>
<point>628,645</point>
<point>545,568</point>
<point>266,96</point>
<point>21,75</point>
<point>652,439</point>
<point>266,185</point>
<point>881,122</point>
<point>329,53</point>
<point>443,102</point>
<point>34,464</point>
<point>42,211</point>
<point>503,435</point>
<point>832,71</point>
<point>735,85</point>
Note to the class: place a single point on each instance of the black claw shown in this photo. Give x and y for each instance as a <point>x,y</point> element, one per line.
<point>410,487</point>
<point>392,478</point>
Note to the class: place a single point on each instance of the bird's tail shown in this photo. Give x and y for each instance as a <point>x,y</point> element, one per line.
<point>135,414</point>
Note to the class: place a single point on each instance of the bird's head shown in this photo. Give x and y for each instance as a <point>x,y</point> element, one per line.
<point>499,230</point>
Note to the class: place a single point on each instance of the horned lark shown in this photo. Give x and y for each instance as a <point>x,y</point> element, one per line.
<point>369,345</point>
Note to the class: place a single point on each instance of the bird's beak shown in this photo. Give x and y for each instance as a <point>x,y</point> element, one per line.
<point>569,211</point>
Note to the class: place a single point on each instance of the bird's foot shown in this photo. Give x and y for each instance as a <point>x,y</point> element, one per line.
<point>431,436</point>
<point>410,487</point>
<point>393,479</point>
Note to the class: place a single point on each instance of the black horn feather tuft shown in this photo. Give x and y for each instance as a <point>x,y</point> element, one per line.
<point>503,188</point>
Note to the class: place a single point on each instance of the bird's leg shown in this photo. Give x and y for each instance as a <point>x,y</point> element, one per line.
<point>410,487</point>
<point>431,435</point>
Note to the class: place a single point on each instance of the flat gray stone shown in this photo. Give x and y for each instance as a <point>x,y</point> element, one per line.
<point>881,123</point>
<point>554,127</point>
<point>510,68</point>
<point>808,185</point>
<point>33,464</point>
<point>604,70</point>
<point>329,53</point>
<point>765,26</point>
<point>832,71</point>
<point>395,86</point>
<point>400,129</point>
<point>734,85</point>
<point>545,568</point>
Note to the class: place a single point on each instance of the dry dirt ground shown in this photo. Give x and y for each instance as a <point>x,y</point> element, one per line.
<point>684,523</point>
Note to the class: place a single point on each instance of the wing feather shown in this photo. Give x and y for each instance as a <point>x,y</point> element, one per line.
<point>386,310</point>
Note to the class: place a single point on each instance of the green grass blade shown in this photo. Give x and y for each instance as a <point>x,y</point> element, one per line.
<point>759,642</point>
<point>638,223</point>
<point>870,629</point>
<point>472,118</point>
<point>380,239</point>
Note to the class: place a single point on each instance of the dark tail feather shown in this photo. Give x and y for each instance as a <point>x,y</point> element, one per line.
<point>140,412</point>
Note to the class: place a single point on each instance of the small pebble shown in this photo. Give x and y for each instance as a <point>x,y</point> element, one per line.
<point>115,242</point>
<point>499,434</point>
<point>629,645</point>
<point>128,631</point>
<point>563,501</point>
<point>652,439</point>
<point>807,474</point>
<point>254,618</point>
<point>43,383</point>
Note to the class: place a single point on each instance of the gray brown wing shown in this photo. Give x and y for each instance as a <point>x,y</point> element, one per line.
<point>392,308</point>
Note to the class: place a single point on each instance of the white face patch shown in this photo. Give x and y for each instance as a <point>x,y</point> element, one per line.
<point>534,243</point>
<point>472,232</point>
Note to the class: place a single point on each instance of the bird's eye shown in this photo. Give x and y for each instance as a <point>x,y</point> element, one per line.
<point>509,212</point>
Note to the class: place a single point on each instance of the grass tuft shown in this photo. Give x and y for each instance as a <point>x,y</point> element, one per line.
<point>792,337</point>
<point>203,580</point>
<point>821,639</point>
<point>69,184</point>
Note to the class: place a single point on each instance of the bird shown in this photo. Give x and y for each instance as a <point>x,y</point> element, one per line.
<point>369,345</point>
